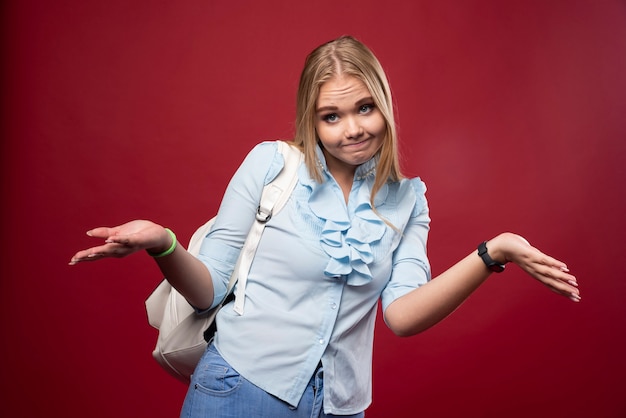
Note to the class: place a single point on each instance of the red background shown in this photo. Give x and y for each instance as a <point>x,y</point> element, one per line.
<point>512,112</point>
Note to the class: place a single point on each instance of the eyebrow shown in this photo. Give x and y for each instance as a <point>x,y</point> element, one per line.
<point>358,103</point>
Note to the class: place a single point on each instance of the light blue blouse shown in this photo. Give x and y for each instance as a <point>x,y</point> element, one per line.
<point>317,276</point>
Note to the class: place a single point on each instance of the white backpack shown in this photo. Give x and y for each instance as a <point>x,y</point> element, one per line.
<point>183,333</point>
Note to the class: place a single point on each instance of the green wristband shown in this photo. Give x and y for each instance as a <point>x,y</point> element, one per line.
<point>169,250</point>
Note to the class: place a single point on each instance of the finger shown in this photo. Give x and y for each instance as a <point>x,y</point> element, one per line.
<point>97,253</point>
<point>101,232</point>
<point>556,269</point>
<point>124,240</point>
<point>561,287</point>
<point>562,274</point>
<point>559,279</point>
<point>85,255</point>
<point>573,296</point>
<point>552,262</point>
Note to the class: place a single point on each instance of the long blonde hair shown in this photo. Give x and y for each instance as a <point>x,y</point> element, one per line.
<point>347,56</point>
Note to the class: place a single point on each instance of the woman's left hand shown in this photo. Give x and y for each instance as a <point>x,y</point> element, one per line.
<point>548,270</point>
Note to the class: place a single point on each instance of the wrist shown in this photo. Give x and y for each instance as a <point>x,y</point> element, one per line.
<point>506,246</point>
<point>492,255</point>
<point>497,250</point>
<point>167,249</point>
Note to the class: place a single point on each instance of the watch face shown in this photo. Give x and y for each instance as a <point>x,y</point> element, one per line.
<point>496,268</point>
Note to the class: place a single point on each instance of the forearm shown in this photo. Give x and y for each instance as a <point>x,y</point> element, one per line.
<point>188,275</point>
<point>184,271</point>
<point>425,306</point>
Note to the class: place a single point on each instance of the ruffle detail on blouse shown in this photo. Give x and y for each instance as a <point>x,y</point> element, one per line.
<point>347,242</point>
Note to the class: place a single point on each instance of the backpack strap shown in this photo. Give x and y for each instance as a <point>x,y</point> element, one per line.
<point>273,198</point>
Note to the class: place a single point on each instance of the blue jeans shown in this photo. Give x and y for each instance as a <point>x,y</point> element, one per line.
<point>218,391</point>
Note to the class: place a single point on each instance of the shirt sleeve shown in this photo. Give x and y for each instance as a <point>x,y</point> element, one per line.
<point>411,268</point>
<point>220,248</point>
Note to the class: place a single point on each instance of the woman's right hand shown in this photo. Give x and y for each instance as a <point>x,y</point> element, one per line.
<point>124,240</point>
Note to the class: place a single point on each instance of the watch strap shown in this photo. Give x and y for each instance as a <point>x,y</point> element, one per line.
<point>489,262</point>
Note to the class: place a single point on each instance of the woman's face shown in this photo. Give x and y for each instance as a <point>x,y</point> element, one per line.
<point>348,123</point>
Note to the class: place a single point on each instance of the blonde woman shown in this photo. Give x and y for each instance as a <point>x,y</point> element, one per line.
<point>352,233</point>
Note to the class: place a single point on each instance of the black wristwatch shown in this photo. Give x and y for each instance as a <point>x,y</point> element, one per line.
<point>489,262</point>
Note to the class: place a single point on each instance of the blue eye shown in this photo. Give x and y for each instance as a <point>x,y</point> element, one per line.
<point>332,117</point>
<point>366,108</point>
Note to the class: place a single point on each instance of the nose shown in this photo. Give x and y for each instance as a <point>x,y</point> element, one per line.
<point>353,128</point>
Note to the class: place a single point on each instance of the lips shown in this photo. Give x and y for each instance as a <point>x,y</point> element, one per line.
<point>356,144</point>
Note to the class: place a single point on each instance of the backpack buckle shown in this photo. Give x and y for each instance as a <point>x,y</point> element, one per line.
<point>263,216</point>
